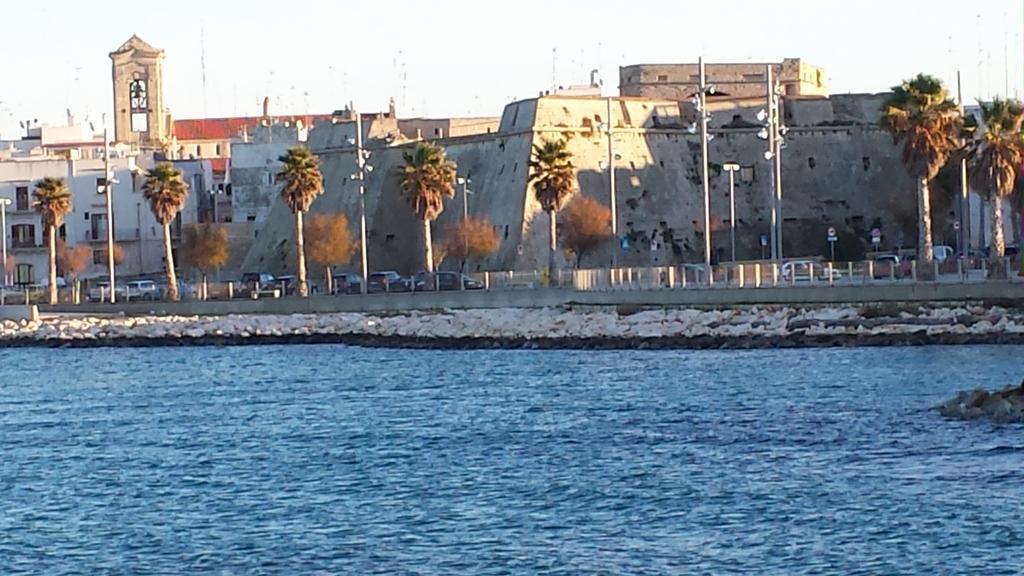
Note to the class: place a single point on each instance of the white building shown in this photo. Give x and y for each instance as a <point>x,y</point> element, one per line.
<point>79,162</point>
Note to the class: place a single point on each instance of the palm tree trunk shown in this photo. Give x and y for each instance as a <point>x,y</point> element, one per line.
<point>52,240</point>
<point>172,278</point>
<point>329,280</point>
<point>300,257</point>
<point>925,252</point>
<point>552,245</point>
<point>998,248</point>
<point>428,249</point>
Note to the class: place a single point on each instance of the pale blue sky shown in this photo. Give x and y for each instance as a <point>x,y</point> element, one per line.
<point>471,57</point>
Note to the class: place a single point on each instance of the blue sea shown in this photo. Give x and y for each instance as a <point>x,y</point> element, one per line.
<point>340,460</point>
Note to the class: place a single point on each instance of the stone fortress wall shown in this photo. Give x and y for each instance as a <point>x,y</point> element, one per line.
<point>747,80</point>
<point>839,170</point>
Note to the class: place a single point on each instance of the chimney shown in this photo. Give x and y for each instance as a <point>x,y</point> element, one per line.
<point>266,106</point>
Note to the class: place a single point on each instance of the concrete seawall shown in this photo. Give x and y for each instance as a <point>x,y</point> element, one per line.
<point>551,297</point>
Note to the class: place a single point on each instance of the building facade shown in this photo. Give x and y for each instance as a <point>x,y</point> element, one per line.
<point>136,231</point>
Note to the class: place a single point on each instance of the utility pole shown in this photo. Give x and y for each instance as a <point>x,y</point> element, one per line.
<point>702,110</point>
<point>611,187</point>
<point>361,175</point>
<point>108,181</point>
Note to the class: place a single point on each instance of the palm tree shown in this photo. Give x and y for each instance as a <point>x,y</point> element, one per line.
<point>52,201</point>
<point>995,159</point>
<point>300,174</point>
<point>920,114</point>
<point>427,178</point>
<point>166,192</point>
<point>554,179</point>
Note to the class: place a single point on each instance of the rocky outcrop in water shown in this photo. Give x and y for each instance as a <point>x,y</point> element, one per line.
<point>1004,406</point>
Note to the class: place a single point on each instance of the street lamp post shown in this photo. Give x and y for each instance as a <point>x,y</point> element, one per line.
<point>704,138</point>
<point>360,176</point>
<point>611,186</point>
<point>731,168</point>
<point>465,182</point>
<point>4,275</point>
<point>108,182</point>
<point>774,132</point>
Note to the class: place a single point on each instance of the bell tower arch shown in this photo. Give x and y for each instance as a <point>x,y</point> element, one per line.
<point>139,117</point>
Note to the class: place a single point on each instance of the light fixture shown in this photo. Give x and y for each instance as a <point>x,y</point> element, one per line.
<point>711,89</point>
<point>368,168</point>
<point>768,155</point>
<point>783,130</point>
<point>711,137</point>
<point>692,128</point>
<point>762,115</point>
<point>763,134</point>
<point>730,166</point>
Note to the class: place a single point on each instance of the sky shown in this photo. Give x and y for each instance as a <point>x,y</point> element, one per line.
<point>471,57</point>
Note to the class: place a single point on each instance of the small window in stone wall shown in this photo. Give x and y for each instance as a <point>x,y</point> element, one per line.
<point>866,162</point>
<point>811,163</point>
<point>662,77</point>
<point>747,174</point>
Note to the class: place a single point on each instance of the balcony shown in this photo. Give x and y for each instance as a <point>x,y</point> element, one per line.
<point>25,245</point>
<point>100,235</point>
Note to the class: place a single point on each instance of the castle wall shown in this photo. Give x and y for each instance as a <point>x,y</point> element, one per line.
<point>849,177</point>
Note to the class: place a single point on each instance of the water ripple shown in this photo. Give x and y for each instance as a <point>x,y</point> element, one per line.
<point>335,460</point>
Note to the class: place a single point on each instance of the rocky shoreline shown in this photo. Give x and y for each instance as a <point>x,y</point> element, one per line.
<point>593,329</point>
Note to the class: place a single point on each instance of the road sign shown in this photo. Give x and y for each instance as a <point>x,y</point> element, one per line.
<point>956,225</point>
<point>764,239</point>
<point>876,236</point>
<point>832,234</point>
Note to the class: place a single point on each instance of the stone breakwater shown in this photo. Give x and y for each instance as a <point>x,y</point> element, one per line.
<point>755,327</point>
<point>1004,406</point>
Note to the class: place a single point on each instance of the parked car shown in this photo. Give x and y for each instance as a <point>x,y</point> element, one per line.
<point>387,281</point>
<point>256,283</point>
<point>139,290</point>
<point>802,270</point>
<point>185,291</point>
<point>445,281</point>
<point>99,291</point>
<point>290,283</point>
<point>347,283</point>
<point>887,266</point>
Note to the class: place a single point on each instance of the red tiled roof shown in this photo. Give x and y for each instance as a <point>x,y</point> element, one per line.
<point>219,165</point>
<point>228,128</point>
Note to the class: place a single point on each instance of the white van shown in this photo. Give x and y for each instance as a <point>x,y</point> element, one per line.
<point>943,253</point>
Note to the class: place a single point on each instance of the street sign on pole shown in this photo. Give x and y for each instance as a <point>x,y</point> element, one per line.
<point>833,237</point>
<point>876,237</point>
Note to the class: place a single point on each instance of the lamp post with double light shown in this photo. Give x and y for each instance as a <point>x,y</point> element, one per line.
<point>731,168</point>
<point>362,168</point>
<point>466,193</point>
<point>700,103</point>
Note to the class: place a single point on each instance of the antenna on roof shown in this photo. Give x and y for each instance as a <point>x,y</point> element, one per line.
<point>202,58</point>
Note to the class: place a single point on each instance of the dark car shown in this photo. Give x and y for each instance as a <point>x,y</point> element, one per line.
<point>288,284</point>
<point>446,281</point>
<point>347,283</point>
<point>388,281</point>
<point>252,284</point>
